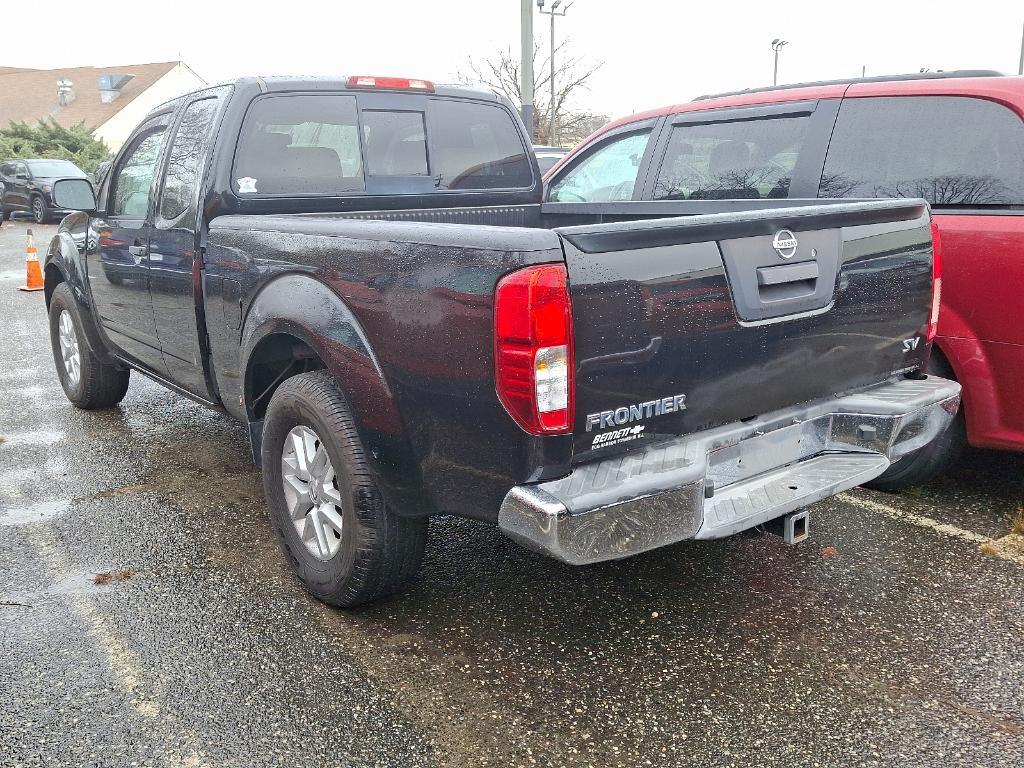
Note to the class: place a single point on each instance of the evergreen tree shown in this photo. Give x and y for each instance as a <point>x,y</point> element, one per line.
<point>49,139</point>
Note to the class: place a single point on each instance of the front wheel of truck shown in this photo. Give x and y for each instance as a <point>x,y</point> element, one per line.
<point>345,544</point>
<point>88,382</point>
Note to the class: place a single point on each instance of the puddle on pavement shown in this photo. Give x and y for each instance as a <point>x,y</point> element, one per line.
<point>68,584</point>
<point>33,513</point>
<point>36,437</point>
<point>35,391</point>
<point>10,479</point>
<point>20,373</point>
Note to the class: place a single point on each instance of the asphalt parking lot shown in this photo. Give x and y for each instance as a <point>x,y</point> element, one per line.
<point>148,618</point>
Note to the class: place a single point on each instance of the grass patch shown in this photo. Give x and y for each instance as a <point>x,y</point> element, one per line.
<point>1017,522</point>
<point>989,548</point>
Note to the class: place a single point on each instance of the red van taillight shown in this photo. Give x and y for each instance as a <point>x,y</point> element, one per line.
<point>533,356</point>
<point>933,317</point>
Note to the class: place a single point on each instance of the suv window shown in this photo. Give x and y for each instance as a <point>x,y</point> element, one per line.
<point>607,174</point>
<point>185,157</point>
<point>135,177</point>
<point>746,159</point>
<point>299,145</point>
<point>950,150</point>
<point>476,146</point>
<point>396,143</point>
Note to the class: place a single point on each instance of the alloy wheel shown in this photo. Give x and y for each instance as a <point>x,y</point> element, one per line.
<point>69,348</point>
<point>311,492</point>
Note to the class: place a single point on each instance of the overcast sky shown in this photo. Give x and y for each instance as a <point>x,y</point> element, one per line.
<point>654,51</point>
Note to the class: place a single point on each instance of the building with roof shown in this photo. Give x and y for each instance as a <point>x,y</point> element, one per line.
<point>111,101</point>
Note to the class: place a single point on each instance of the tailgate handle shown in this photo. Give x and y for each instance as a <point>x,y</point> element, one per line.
<point>787,273</point>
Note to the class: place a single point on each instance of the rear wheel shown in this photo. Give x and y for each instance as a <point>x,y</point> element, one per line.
<point>4,214</point>
<point>346,545</point>
<point>88,382</point>
<point>925,464</point>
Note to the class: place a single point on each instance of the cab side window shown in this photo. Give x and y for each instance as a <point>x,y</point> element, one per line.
<point>135,177</point>
<point>185,157</point>
<point>608,174</point>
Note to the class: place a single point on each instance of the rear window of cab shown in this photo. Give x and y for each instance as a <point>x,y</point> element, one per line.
<point>325,145</point>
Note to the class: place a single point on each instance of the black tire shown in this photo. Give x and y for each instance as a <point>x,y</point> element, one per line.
<point>40,210</point>
<point>99,385</point>
<point>382,551</point>
<point>5,215</point>
<point>926,464</point>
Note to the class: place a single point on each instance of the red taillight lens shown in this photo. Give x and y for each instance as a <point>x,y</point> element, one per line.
<point>933,316</point>
<point>390,83</point>
<point>533,355</point>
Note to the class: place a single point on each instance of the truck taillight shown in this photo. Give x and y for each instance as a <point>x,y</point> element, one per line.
<point>533,352</point>
<point>933,316</point>
<point>390,83</point>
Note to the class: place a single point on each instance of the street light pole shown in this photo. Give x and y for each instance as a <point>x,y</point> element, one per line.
<point>777,46</point>
<point>526,66</point>
<point>552,130</point>
<point>1020,69</point>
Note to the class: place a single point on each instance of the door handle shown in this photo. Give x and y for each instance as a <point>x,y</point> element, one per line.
<point>138,252</point>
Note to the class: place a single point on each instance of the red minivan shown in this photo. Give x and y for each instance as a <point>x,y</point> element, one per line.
<point>954,138</point>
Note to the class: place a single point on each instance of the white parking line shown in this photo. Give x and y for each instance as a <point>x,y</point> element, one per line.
<point>1002,548</point>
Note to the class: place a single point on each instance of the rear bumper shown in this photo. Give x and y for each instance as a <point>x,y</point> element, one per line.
<point>716,483</point>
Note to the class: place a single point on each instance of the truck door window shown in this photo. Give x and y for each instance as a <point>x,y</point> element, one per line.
<point>746,159</point>
<point>608,174</point>
<point>186,156</point>
<point>135,178</point>
<point>950,150</point>
<point>299,145</point>
<point>396,143</point>
<point>476,146</point>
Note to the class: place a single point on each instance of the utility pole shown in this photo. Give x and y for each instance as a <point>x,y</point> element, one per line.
<point>553,130</point>
<point>1020,68</point>
<point>526,66</point>
<point>777,46</point>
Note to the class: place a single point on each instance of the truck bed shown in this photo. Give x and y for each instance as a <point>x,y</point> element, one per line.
<point>666,301</point>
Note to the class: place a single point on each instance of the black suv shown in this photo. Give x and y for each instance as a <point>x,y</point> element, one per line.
<point>25,186</point>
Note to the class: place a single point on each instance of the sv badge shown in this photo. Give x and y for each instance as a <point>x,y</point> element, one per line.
<point>909,345</point>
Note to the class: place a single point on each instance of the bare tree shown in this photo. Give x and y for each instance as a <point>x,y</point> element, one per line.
<point>572,73</point>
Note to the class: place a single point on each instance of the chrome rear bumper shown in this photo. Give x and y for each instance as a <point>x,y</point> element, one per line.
<point>715,483</point>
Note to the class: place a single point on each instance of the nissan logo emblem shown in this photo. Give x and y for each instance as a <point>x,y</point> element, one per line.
<point>784,243</point>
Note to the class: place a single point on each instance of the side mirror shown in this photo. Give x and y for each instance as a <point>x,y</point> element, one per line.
<point>74,195</point>
<point>21,176</point>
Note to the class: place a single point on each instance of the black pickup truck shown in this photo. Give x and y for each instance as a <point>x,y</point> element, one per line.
<point>362,271</point>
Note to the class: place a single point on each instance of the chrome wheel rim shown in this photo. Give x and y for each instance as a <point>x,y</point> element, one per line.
<point>69,347</point>
<point>311,492</point>
<point>37,211</point>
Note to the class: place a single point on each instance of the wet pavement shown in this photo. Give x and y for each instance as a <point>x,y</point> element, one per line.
<point>894,636</point>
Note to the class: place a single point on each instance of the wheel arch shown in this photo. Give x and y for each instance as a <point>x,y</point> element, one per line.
<point>297,324</point>
<point>64,263</point>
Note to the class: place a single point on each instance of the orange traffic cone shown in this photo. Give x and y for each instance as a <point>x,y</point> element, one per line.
<point>33,274</point>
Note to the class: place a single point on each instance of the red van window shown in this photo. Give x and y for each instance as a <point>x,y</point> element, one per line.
<point>950,150</point>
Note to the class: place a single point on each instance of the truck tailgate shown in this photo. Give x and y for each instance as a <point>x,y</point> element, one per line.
<point>689,323</point>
